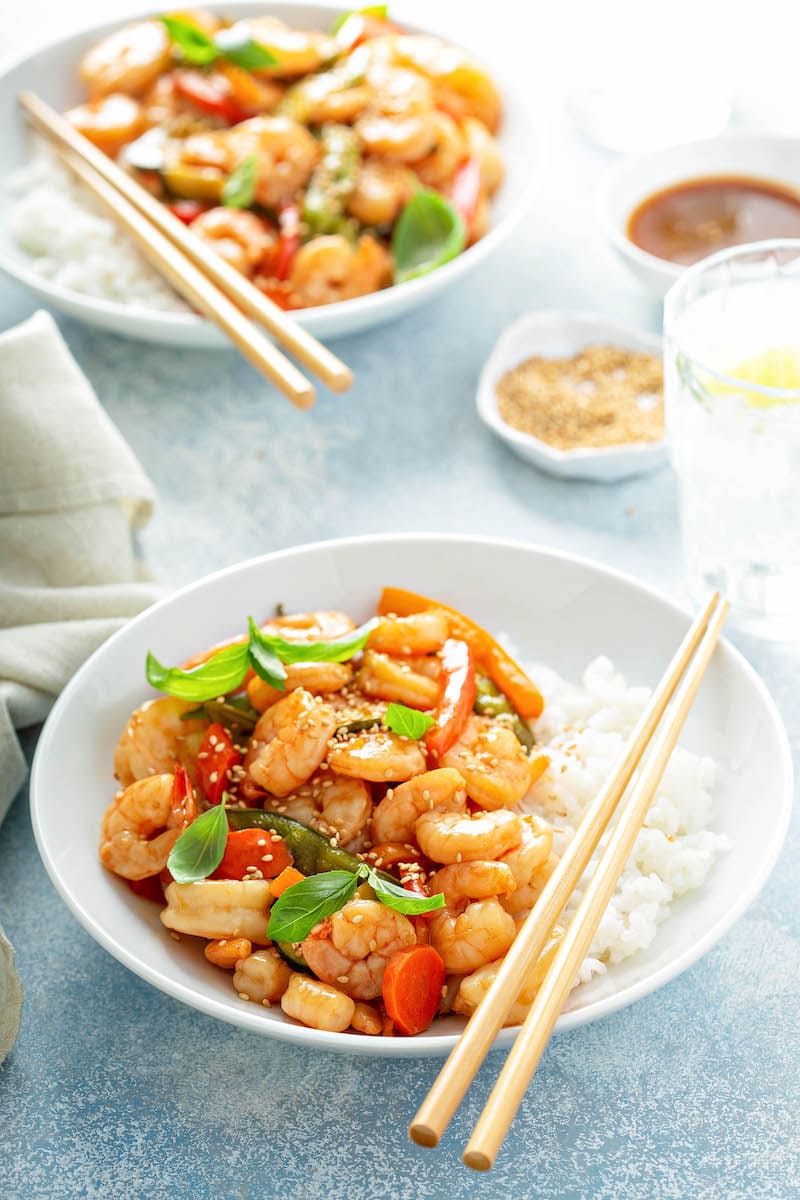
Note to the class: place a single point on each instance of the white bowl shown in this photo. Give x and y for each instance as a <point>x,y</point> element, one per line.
<point>558,609</point>
<point>635,178</point>
<point>51,73</point>
<point>554,334</point>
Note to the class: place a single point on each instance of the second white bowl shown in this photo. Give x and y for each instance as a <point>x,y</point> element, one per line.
<point>635,178</point>
<point>555,334</point>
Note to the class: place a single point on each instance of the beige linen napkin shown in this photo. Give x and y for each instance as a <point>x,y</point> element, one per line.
<point>71,491</point>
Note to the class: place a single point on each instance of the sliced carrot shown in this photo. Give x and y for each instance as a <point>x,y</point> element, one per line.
<point>412,987</point>
<point>256,848</point>
<point>496,662</point>
<point>288,877</point>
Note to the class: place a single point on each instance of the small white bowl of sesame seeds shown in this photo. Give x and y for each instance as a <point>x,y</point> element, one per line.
<point>577,395</point>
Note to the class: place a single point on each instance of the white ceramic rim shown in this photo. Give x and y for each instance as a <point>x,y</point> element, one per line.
<point>422,1045</point>
<point>629,166</point>
<point>311,318</point>
<point>487,395</point>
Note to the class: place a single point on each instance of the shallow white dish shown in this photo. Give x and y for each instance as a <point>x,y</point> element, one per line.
<point>633,179</point>
<point>51,73</point>
<point>554,334</point>
<point>559,609</point>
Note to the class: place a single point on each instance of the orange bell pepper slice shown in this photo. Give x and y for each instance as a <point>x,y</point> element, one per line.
<point>490,655</point>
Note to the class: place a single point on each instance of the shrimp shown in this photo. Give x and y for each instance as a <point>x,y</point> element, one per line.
<point>379,756</point>
<point>329,269</point>
<point>238,236</point>
<point>398,125</point>
<point>525,860</point>
<point>324,625</point>
<point>465,941</point>
<point>461,87</point>
<point>496,769</point>
<point>157,738</point>
<point>388,678</point>
<point>263,977</point>
<point>109,121</point>
<point>352,947</point>
<point>381,190</point>
<point>289,742</point>
<point>521,901</point>
<point>298,51</point>
<point>481,145</point>
<point>396,816</point>
<point>143,824</point>
<point>338,95</point>
<point>454,837</point>
<point>219,908</point>
<point>317,1004</point>
<point>421,633</point>
<point>321,678</point>
<point>475,986</point>
<point>332,804</point>
<point>471,881</point>
<point>285,153</point>
<point>366,1020</point>
<point>441,162</point>
<point>126,61</point>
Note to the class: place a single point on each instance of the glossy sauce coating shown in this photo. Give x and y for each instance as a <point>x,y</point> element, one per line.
<point>694,218</point>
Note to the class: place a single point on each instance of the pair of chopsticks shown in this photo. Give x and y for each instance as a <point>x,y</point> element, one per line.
<point>647,750</point>
<point>204,279</point>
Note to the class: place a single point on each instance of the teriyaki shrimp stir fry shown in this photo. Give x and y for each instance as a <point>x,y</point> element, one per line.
<point>321,165</point>
<point>336,812</point>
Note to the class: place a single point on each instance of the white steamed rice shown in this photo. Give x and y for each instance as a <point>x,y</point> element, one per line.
<point>583,729</point>
<point>72,242</point>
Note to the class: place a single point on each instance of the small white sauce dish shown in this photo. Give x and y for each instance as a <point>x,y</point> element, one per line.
<point>555,334</point>
<point>633,179</point>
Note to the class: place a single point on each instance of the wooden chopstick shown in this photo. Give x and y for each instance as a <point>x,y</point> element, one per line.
<point>524,1056</point>
<point>315,357</point>
<point>193,285</point>
<point>464,1061</point>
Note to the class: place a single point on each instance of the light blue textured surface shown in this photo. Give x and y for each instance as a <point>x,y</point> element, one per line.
<point>115,1091</point>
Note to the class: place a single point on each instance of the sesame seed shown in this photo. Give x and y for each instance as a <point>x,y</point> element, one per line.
<point>266,1002</point>
<point>459,857</point>
<point>444,991</point>
<point>266,858</point>
<point>341,978</point>
<point>203,754</point>
<point>222,942</point>
<point>176,937</point>
<point>261,842</point>
<point>426,794</point>
<point>243,996</point>
<point>373,945</point>
<point>213,777</point>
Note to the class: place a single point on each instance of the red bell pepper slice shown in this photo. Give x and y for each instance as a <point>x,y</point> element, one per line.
<point>457,698</point>
<point>216,757</point>
<point>253,848</point>
<point>211,94</point>
<point>289,240</point>
<point>465,191</point>
<point>187,210</point>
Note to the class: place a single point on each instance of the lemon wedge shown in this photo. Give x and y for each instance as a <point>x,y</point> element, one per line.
<point>775,368</point>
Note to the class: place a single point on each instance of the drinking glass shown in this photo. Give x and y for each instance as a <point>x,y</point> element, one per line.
<point>732,398</point>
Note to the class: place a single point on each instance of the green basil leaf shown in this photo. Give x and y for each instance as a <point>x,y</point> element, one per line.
<point>239,189</point>
<point>428,233</point>
<point>221,673</point>
<point>305,904</point>
<point>194,44</point>
<point>408,722</point>
<point>379,11</point>
<point>339,650</point>
<point>199,849</point>
<point>393,895</point>
<point>240,48</point>
<point>263,658</point>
